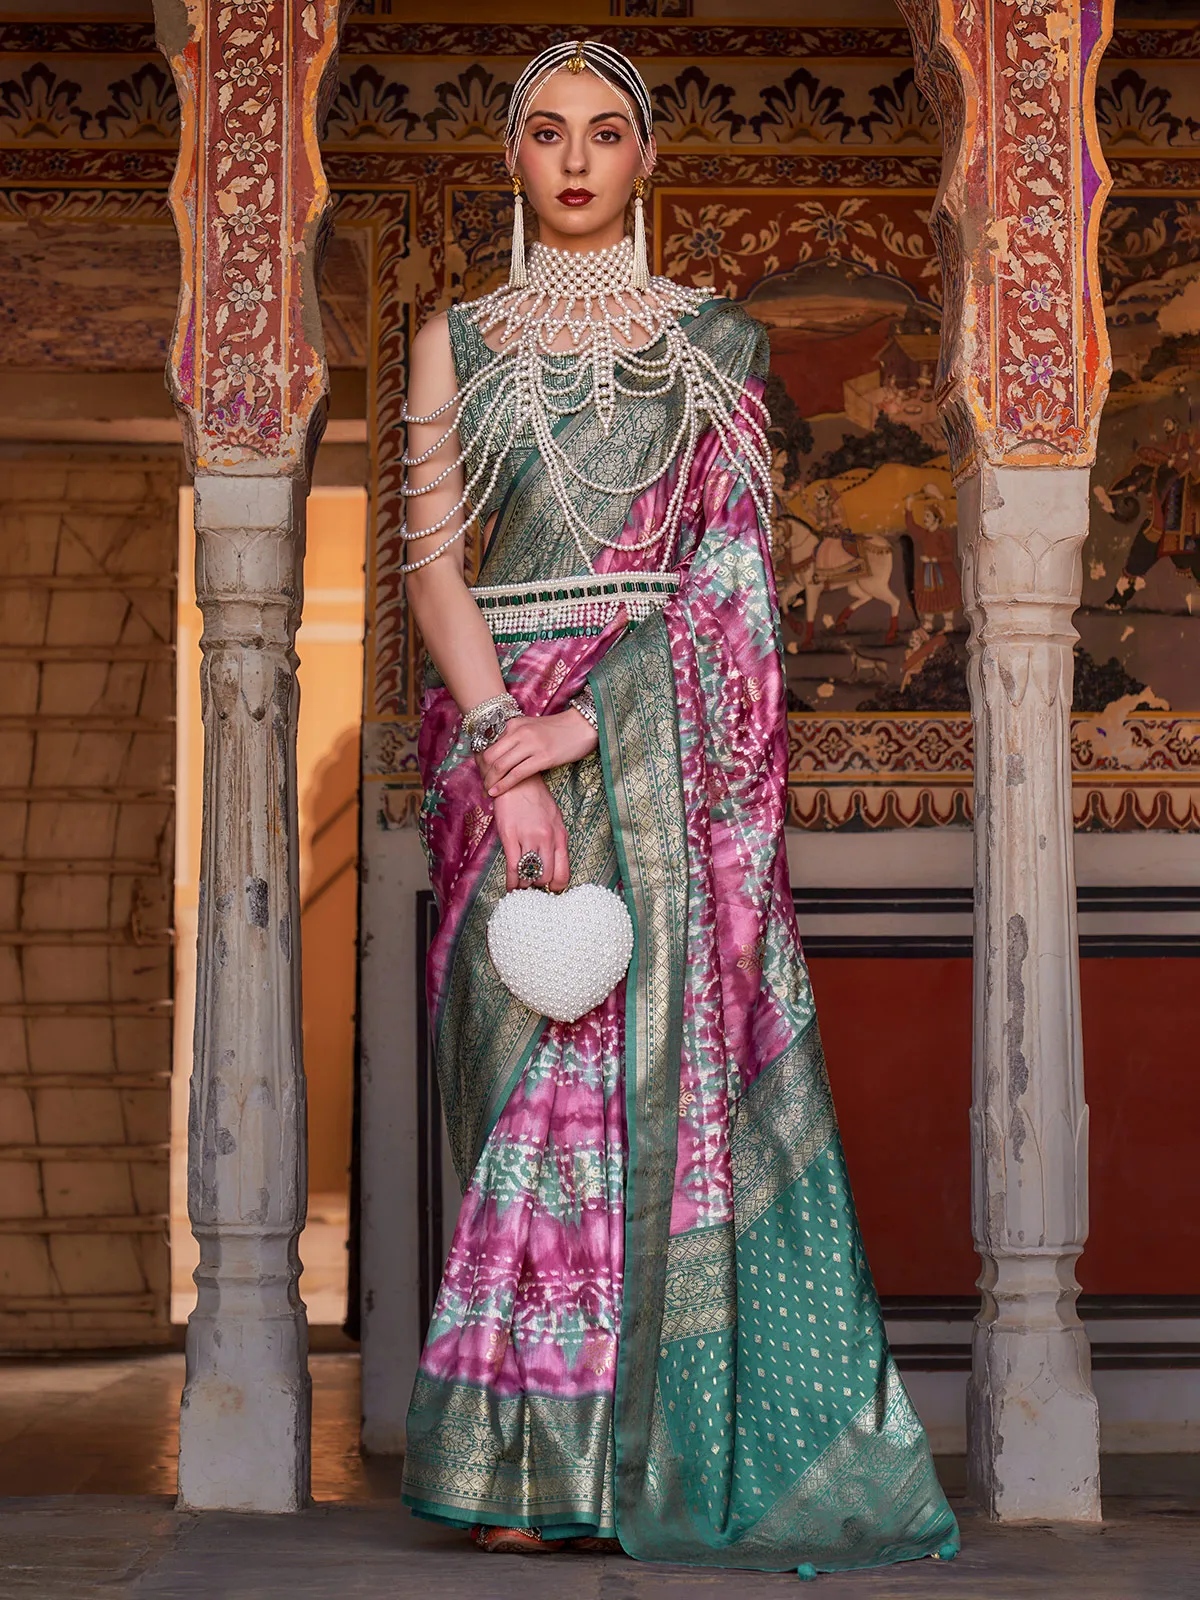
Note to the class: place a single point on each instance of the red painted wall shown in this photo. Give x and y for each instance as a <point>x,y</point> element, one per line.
<point>1141,1043</point>
<point>898,1041</point>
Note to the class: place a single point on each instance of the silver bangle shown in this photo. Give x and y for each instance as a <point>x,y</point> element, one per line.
<point>498,702</point>
<point>485,722</point>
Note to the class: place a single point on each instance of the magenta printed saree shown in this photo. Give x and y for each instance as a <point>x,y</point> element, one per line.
<point>656,1319</point>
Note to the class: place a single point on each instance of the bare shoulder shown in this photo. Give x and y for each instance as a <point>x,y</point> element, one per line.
<point>431,374</point>
<point>432,338</point>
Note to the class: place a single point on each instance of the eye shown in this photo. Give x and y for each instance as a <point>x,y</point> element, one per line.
<point>545,134</point>
<point>608,136</point>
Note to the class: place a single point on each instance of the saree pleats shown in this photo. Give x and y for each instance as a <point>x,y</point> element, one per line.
<point>656,1316</point>
<point>512,1415</point>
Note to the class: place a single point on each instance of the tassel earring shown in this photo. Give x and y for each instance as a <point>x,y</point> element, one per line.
<point>639,276</point>
<point>517,276</point>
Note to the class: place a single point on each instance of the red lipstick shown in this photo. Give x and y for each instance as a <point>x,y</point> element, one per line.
<point>576,197</point>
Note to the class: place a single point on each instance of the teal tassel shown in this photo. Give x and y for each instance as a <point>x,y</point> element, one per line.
<point>948,1551</point>
<point>806,1571</point>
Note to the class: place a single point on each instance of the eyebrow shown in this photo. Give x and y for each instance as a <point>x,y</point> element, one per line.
<point>601,116</point>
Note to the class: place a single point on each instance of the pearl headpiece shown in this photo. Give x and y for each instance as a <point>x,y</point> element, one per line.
<point>577,337</point>
<point>577,54</point>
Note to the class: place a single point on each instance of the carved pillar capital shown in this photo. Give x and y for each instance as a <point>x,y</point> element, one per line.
<point>249,561</point>
<point>1023,562</point>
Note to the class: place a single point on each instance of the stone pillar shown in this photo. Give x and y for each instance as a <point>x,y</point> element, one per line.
<point>248,377</point>
<point>1024,374</point>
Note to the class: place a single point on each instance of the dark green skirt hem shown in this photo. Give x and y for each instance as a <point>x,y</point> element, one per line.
<point>941,1543</point>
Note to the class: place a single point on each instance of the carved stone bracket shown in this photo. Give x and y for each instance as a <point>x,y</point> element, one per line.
<point>1025,360</point>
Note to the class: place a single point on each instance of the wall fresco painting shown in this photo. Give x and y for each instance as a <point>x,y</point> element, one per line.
<point>865,534</point>
<point>866,530</point>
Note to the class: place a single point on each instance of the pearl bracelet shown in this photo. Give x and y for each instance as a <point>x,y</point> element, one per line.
<point>585,704</point>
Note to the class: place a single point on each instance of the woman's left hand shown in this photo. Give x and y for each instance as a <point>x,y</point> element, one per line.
<point>534,744</point>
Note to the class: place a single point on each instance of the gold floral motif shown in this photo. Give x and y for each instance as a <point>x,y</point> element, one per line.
<point>497,1346</point>
<point>554,681</point>
<point>478,821</point>
<point>701,1291</point>
<point>751,958</point>
<point>598,1357</point>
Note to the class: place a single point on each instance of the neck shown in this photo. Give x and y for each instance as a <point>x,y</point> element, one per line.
<point>602,239</point>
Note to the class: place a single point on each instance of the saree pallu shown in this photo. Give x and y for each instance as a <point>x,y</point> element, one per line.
<point>656,1318</point>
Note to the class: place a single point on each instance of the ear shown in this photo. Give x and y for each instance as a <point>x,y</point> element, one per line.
<point>651,160</point>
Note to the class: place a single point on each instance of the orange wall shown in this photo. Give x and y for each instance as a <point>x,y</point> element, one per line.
<point>903,1093</point>
<point>330,648</point>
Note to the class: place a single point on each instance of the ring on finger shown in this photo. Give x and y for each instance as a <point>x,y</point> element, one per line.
<point>530,867</point>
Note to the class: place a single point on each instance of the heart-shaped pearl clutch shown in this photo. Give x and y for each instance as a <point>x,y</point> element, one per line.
<point>561,954</point>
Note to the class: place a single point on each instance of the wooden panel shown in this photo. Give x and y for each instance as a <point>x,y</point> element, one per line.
<point>87,571</point>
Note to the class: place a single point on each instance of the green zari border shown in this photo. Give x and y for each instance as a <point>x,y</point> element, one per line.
<point>526,1460</point>
<point>634,689</point>
<point>784,1120</point>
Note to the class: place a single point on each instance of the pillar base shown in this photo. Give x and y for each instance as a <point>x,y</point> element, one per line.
<point>1033,1426</point>
<point>245,1417</point>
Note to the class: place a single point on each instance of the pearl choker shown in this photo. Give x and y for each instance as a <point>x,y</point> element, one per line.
<point>588,299</point>
<point>585,272</point>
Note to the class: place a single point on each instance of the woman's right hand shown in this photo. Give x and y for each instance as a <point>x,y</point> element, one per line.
<point>527,818</point>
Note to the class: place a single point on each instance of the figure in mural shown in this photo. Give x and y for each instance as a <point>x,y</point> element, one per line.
<point>656,1324</point>
<point>936,590</point>
<point>1166,477</point>
<point>859,564</point>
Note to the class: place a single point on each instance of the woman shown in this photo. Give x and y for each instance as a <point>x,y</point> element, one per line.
<point>656,1324</point>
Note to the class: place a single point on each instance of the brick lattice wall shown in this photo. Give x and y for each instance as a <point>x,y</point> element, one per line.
<point>87,601</point>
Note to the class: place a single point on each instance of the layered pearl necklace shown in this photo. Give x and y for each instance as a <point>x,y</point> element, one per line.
<point>588,298</point>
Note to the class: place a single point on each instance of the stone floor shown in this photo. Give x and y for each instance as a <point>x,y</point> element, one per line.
<point>87,1467</point>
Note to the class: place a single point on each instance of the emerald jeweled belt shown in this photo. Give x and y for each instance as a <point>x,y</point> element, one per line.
<point>569,607</point>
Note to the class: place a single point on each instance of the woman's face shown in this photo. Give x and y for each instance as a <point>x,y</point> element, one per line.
<point>578,158</point>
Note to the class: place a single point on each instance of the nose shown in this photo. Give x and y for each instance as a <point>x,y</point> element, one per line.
<point>575,156</point>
